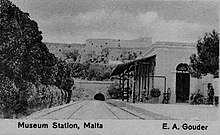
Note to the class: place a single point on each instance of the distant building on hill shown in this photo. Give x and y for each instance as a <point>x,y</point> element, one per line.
<point>103,50</point>
<point>63,50</point>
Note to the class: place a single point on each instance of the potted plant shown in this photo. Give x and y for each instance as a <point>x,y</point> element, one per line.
<point>155,94</point>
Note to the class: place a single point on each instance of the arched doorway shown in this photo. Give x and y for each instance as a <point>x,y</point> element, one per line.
<point>100,97</point>
<point>182,83</point>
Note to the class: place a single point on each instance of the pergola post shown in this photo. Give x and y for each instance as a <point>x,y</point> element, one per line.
<point>139,82</point>
<point>148,81</point>
<point>123,86</point>
<point>145,79</point>
<point>120,83</point>
<point>135,79</point>
<point>142,82</point>
<point>128,82</point>
<point>128,87</point>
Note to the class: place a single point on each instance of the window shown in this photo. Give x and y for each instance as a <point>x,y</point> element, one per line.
<point>182,67</point>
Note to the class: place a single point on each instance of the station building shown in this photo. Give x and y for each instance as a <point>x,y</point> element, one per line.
<point>165,65</point>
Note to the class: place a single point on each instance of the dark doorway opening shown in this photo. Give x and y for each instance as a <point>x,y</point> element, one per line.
<point>182,87</point>
<point>100,97</point>
<point>182,83</point>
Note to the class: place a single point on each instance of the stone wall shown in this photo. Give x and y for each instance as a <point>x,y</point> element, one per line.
<point>117,48</point>
<point>59,49</point>
<point>91,88</point>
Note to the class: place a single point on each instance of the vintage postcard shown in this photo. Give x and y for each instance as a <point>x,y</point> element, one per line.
<point>109,67</point>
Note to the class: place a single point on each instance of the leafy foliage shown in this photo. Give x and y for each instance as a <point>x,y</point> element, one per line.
<point>207,58</point>
<point>22,53</point>
<point>114,90</point>
<point>8,95</point>
<point>98,72</point>
<point>80,70</point>
<point>26,63</point>
<point>63,78</point>
<point>197,98</point>
<point>90,71</point>
<point>155,92</point>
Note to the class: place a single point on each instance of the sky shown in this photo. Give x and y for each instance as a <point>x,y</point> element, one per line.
<point>74,21</point>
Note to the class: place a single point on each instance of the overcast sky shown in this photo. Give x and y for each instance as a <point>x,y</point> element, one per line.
<point>74,21</point>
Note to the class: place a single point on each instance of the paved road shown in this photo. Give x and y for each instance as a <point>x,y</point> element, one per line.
<point>92,109</point>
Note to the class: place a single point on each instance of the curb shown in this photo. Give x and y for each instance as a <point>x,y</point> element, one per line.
<point>154,115</point>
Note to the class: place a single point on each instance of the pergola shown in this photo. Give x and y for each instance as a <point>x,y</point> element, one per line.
<point>139,77</point>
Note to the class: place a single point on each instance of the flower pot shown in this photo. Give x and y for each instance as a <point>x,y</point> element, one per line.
<point>155,100</point>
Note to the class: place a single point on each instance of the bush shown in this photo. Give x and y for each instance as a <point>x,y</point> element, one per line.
<point>155,92</point>
<point>13,103</point>
<point>114,90</point>
<point>8,97</point>
<point>45,96</point>
<point>91,72</point>
<point>197,98</point>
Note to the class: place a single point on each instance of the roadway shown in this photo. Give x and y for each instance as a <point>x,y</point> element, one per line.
<point>91,109</point>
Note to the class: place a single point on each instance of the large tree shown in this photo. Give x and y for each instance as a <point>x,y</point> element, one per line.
<point>207,58</point>
<point>23,56</point>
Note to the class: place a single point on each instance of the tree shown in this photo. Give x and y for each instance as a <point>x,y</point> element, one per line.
<point>23,56</point>
<point>8,96</point>
<point>99,72</point>
<point>72,55</point>
<point>80,70</point>
<point>64,80</point>
<point>114,90</point>
<point>207,58</point>
<point>22,53</point>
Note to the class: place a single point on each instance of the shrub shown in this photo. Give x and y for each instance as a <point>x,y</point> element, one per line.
<point>90,71</point>
<point>197,98</point>
<point>155,92</point>
<point>8,97</point>
<point>114,90</point>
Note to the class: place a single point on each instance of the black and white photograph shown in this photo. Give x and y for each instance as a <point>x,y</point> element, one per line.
<point>111,60</point>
